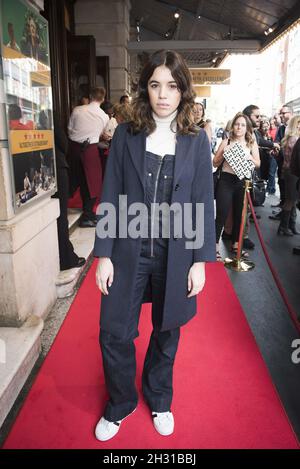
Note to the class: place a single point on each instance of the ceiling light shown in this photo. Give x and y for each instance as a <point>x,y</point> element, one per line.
<point>270,30</point>
<point>176,14</point>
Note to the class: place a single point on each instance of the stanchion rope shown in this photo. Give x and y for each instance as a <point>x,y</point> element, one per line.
<point>283,294</point>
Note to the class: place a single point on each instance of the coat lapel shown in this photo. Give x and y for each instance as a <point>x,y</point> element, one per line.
<point>137,148</point>
<point>183,147</point>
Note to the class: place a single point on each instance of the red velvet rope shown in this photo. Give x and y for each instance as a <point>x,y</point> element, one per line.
<point>290,309</point>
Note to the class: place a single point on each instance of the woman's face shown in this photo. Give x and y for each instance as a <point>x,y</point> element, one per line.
<point>198,112</point>
<point>240,127</point>
<point>164,95</point>
<point>265,126</point>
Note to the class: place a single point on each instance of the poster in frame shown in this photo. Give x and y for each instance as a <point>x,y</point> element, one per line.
<point>28,98</point>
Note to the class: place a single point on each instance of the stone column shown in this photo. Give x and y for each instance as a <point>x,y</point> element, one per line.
<point>108,22</point>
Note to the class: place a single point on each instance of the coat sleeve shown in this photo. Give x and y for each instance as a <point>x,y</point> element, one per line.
<point>112,187</point>
<point>203,192</point>
<point>295,159</point>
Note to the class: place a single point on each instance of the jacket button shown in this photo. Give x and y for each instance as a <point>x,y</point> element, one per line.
<point>176,187</point>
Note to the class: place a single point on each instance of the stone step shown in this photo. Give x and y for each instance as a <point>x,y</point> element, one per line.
<point>19,350</point>
<point>83,242</point>
<point>74,215</point>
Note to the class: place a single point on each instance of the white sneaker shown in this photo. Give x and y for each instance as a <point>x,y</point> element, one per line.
<point>106,430</point>
<point>163,422</point>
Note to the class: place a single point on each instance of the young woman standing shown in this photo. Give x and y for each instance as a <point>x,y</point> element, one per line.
<point>230,190</point>
<point>160,157</point>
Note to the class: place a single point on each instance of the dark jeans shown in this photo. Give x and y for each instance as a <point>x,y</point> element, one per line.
<point>118,355</point>
<point>271,187</point>
<point>230,192</point>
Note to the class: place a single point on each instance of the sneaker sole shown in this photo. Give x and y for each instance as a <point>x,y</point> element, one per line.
<point>163,434</point>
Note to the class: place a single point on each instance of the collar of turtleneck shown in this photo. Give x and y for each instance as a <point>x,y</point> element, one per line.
<point>164,121</point>
<point>163,140</point>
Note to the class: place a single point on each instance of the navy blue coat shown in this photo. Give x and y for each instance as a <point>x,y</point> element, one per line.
<point>192,182</point>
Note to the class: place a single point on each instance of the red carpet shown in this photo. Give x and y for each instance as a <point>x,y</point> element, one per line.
<point>223,398</point>
<point>75,201</point>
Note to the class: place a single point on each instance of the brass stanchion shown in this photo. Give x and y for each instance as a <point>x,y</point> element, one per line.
<point>238,263</point>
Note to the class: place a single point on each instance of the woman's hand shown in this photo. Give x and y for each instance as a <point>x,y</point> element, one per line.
<point>104,274</point>
<point>196,278</point>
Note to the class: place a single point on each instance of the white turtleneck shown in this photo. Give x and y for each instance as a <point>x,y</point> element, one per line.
<point>163,140</point>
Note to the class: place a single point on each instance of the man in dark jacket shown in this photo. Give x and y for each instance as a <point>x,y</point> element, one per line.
<point>285,115</point>
<point>67,257</point>
<point>253,113</point>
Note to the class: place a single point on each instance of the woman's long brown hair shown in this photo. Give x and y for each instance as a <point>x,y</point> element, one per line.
<point>249,130</point>
<point>142,111</point>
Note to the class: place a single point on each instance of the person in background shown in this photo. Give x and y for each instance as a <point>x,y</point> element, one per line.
<point>84,100</point>
<point>230,191</point>
<point>254,114</point>
<point>277,120</point>
<point>111,126</point>
<point>288,214</point>
<point>124,99</point>
<point>68,259</point>
<point>285,115</point>
<point>123,113</point>
<point>107,134</point>
<point>85,127</point>
<point>160,157</point>
<point>199,113</point>
<point>295,170</point>
<point>273,128</point>
<point>268,162</point>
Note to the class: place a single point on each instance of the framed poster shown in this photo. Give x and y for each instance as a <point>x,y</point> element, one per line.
<point>28,96</point>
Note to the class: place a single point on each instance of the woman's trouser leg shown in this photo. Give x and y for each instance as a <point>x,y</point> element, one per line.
<point>118,355</point>
<point>271,187</point>
<point>223,202</point>
<point>238,201</point>
<point>157,380</point>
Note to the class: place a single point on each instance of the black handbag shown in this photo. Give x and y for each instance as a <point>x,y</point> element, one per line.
<point>258,191</point>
